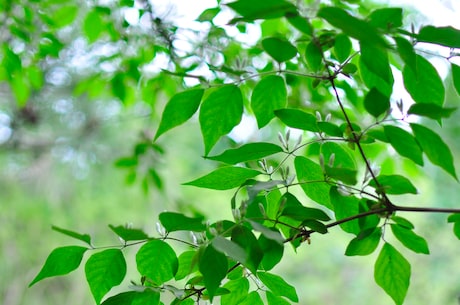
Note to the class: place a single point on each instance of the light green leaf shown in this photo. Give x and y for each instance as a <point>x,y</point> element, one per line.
<point>386,18</point>
<point>263,9</point>
<point>342,47</point>
<point>456,76</point>
<point>345,206</point>
<point>278,286</point>
<point>83,237</point>
<point>179,109</point>
<point>64,15</point>
<point>426,86</point>
<point>372,80</point>
<point>179,222</point>
<point>208,14</point>
<point>247,152</point>
<point>238,291</point>
<point>330,129</point>
<point>342,155</point>
<point>20,88</point>
<point>392,273</point>
<point>376,60</point>
<point>409,239</point>
<point>61,261</point>
<point>346,175</point>
<point>187,264</point>
<point>105,270</point>
<point>273,299</point>
<point>296,118</point>
<point>455,218</point>
<point>314,55</point>
<point>268,95</point>
<point>224,178</point>
<point>157,261</point>
<point>445,36</point>
<point>280,49</point>
<point>394,184</point>
<point>431,111</point>
<point>93,26</point>
<point>407,53</point>
<point>311,178</point>
<point>220,112</point>
<point>253,298</point>
<point>404,143</point>
<point>134,298</point>
<point>365,243</point>
<point>402,222</point>
<point>213,266</point>
<point>376,103</point>
<point>128,234</point>
<point>435,148</point>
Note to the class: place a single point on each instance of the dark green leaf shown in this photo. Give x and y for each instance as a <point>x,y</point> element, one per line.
<point>445,36</point>
<point>315,225</point>
<point>302,24</point>
<point>342,47</point>
<point>426,86</point>
<point>345,206</point>
<point>376,103</point>
<point>179,222</point>
<point>343,157</point>
<point>128,234</point>
<point>351,26</point>
<point>61,261</point>
<point>179,109</point>
<point>330,129</point>
<point>311,178</point>
<point>238,291</point>
<point>187,264</point>
<point>157,261</point>
<point>386,18</point>
<point>376,60</point>
<point>431,111</point>
<point>296,118</point>
<point>213,266</point>
<point>372,80</point>
<point>456,77</point>
<point>273,252</point>
<point>278,286</point>
<point>302,213</point>
<point>280,49</point>
<point>364,244</point>
<point>229,248</point>
<point>346,175</point>
<point>244,237</point>
<point>404,143</point>
<point>435,148</point>
<point>247,152</point>
<point>126,162</point>
<point>394,184</point>
<point>105,270</point>
<point>263,9</point>
<point>268,95</point>
<point>407,53</point>
<point>392,273</point>
<point>314,55</point>
<point>220,112</point>
<point>224,178</point>
<point>409,239</point>
<point>83,237</point>
<point>349,69</point>
<point>134,298</point>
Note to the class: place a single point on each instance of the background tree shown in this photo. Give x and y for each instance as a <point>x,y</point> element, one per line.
<point>320,78</point>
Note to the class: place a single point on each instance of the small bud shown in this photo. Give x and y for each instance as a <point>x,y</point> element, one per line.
<point>288,135</point>
<point>328,117</point>
<point>282,140</point>
<point>236,214</point>
<point>290,179</point>
<point>270,170</point>
<point>331,160</point>
<point>318,116</point>
<point>194,238</point>
<point>160,229</point>
<point>213,231</point>
<point>298,142</point>
<point>262,209</point>
<point>321,160</point>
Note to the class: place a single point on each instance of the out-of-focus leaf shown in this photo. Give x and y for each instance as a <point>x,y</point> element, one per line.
<point>224,178</point>
<point>280,49</point>
<point>431,111</point>
<point>268,95</point>
<point>64,15</point>
<point>262,9</point>
<point>302,24</point>
<point>407,53</point>
<point>208,14</point>
<point>386,18</point>
<point>456,77</point>
<point>342,47</point>
<point>128,234</point>
<point>455,218</point>
<point>245,238</point>
<point>93,26</point>
<point>376,60</point>
<point>314,55</point>
<point>445,36</point>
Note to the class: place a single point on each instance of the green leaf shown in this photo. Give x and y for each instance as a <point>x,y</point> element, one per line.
<point>407,53</point>
<point>263,9</point>
<point>364,244</point>
<point>376,60</point>
<point>342,47</point>
<point>270,233</point>
<point>134,298</point>
<point>268,95</point>
<point>352,26</point>
<point>311,178</point>
<point>386,18</point>
<point>409,239</point>
<point>93,26</point>
<point>372,80</point>
<point>394,184</point>
<point>179,109</point>
<point>253,298</point>
<point>187,265</point>
<point>402,222</point>
<point>275,300</point>
<point>296,118</point>
<point>238,291</point>
<point>220,112</point>
<point>83,237</point>
<point>157,261</point>
<point>105,270</point>
<point>435,148</point>
<point>179,222</point>
<point>314,56</point>
<point>247,152</point>
<point>376,103</point>
<point>61,261</point>
<point>301,213</point>
<point>346,175</point>
<point>445,36</point>
<point>244,237</point>
<point>278,286</point>
<point>424,86</point>
<point>330,129</point>
<point>392,273</point>
<point>20,88</point>
<point>280,49</point>
<point>404,143</point>
<point>315,225</point>
<point>64,15</point>
<point>128,234</point>
<point>213,266</point>
<point>431,111</point>
<point>456,76</point>
<point>224,178</point>
<point>302,24</point>
<point>273,252</point>
<point>229,248</point>
<point>342,155</point>
<point>208,14</point>
<point>455,218</point>
<point>344,207</point>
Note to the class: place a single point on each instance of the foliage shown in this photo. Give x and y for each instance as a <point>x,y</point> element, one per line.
<point>326,75</point>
